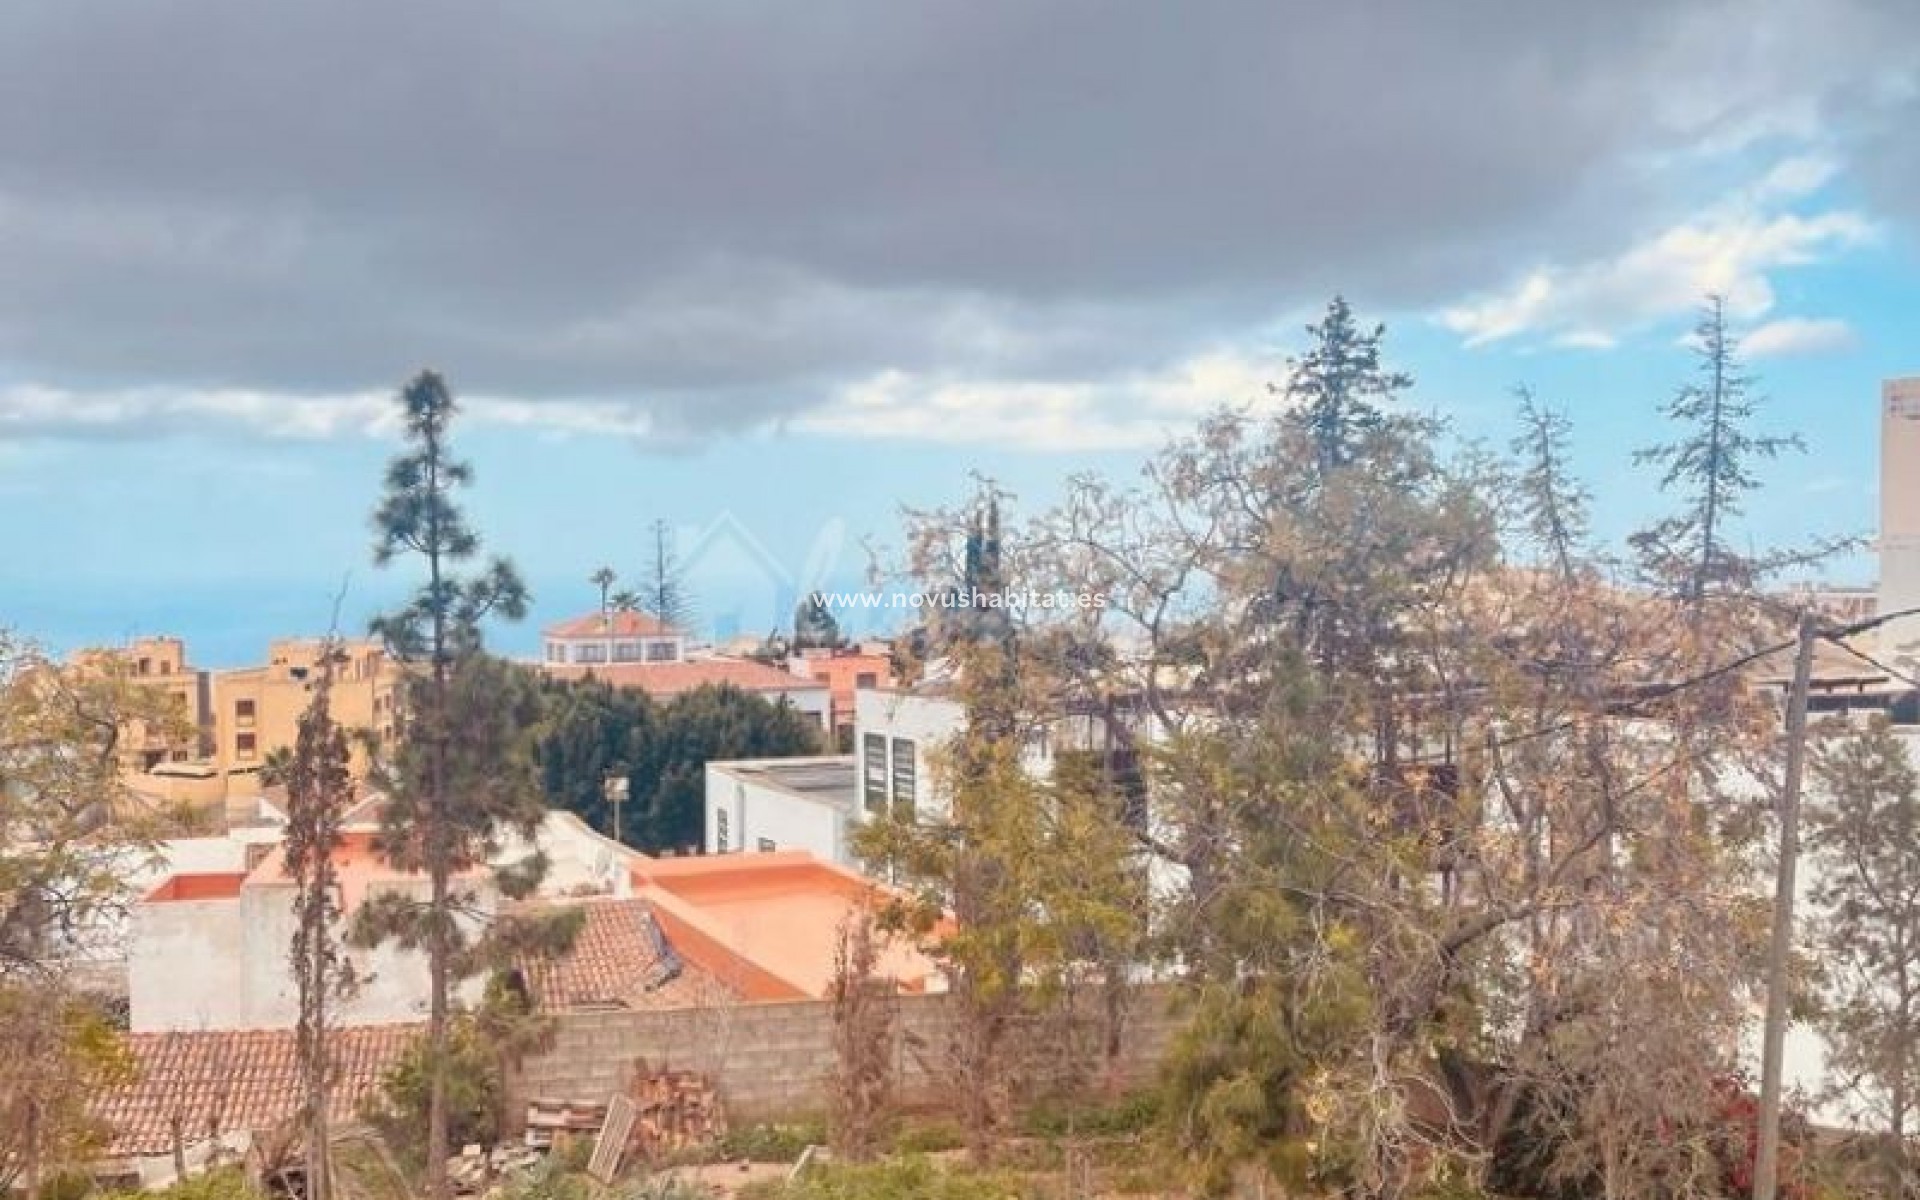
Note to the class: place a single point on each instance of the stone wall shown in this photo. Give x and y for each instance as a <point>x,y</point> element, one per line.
<point>771,1061</point>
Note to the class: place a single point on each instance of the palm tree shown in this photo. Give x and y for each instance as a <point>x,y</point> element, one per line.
<point>604,579</point>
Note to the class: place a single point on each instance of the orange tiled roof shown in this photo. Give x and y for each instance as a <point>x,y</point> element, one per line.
<point>219,1083</point>
<point>615,962</point>
<point>619,623</point>
<point>672,678</point>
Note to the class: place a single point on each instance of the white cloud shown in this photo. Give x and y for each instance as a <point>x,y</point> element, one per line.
<point>1794,178</point>
<point>30,412</point>
<point>1132,412</point>
<point>1799,335</point>
<point>1732,249</point>
<point>34,411</point>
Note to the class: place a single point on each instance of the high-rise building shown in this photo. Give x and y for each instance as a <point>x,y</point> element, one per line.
<point>1900,519</point>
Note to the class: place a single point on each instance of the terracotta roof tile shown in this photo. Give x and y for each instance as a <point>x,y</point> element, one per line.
<point>218,1083</point>
<point>619,623</point>
<point>620,960</point>
<point>672,678</point>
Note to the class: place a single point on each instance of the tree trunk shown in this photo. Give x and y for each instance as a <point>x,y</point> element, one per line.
<point>437,965</point>
<point>437,834</point>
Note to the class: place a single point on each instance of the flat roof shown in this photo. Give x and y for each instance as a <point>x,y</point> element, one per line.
<point>777,915</point>
<point>202,885</point>
<point>828,779</point>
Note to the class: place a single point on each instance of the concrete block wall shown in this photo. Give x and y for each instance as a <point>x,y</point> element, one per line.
<point>774,1061</point>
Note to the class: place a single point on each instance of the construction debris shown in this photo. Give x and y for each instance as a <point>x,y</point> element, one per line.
<point>556,1122</point>
<point>672,1111</point>
<point>610,1148</point>
<point>476,1168</point>
<point>676,1110</point>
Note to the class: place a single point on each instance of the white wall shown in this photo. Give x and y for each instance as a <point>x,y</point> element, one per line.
<point>756,809</point>
<point>222,964</point>
<point>816,702</point>
<point>929,722</point>
<point>186,966</point>
<point>1900,518</point>
<point>579,860</point>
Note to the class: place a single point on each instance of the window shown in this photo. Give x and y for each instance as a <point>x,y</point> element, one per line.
<point>243,713</point>
<point>556,653</point>
<point>866,679</point>
<point>626,652</point>
<point>245,746</point>
<point>590,652</point>
<point>661,652</point>
<point>720,830</point>
<point>874,771</point>
<point>903,794</point>
<point>766,846</point>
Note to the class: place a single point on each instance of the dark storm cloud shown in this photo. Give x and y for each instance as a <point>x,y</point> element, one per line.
<point>724,208</point>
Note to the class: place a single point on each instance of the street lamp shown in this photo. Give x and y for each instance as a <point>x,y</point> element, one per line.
<point>617,788</point>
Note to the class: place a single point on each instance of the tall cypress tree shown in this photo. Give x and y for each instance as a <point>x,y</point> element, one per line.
<point>457,778</point>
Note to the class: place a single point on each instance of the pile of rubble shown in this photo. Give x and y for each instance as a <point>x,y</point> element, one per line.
<point>477,1168</point>
<point>674,1110</point>
<point>661,1114</point>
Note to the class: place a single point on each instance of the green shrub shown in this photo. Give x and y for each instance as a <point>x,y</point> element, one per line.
<point>66,1185</point>
<point>398,1111</point>
<point>1131,1114</point>
<point>222,1183</point>
<point>912,1178</point>
<point>929,1137</point>
<point>781,1143</point>
<point>549,1179</point>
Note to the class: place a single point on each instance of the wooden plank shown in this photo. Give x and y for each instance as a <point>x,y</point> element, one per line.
<point>612,1144</point>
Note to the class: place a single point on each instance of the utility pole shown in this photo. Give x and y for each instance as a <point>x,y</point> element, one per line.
<point>1766,1170</point>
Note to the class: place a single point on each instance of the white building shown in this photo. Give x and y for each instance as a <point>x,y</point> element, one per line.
<point>633,650</point>
<point>900,739</point>
<point>613,636</point>
<point>1900,519</point>
<point>769,804</point>
<point>207,947</point>
<point>209,951</point>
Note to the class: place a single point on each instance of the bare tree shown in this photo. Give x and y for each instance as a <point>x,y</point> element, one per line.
<point>863,1030</point>
<point>319,792</point>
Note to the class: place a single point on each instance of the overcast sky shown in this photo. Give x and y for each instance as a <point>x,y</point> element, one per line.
<point>799,263</point>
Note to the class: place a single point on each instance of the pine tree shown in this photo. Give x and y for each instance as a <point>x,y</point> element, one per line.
<point>814,627</point>
<point>1712,467</point>
<point>664,593</point>
<point>319,792</point>
<point>1553,503</point>
<point>458,776</point>
<point>1339,387</point>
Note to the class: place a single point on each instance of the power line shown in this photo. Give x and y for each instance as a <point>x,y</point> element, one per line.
<point>1893,673</point>
<point>1666,691</point>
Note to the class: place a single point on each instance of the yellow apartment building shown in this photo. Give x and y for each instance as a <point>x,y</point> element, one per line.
<point>256,710</point>
<point>159,664</point>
